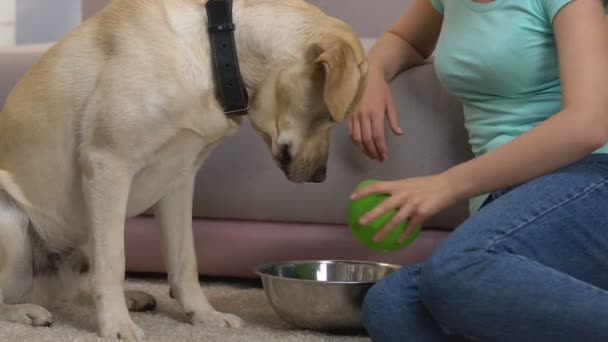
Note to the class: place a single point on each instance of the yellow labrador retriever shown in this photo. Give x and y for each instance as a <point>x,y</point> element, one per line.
<point>118,117</point>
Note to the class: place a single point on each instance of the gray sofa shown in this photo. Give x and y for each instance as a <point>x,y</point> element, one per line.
<point>254,215</point>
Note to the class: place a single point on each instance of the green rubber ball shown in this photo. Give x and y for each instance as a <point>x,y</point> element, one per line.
<point>365,234</point>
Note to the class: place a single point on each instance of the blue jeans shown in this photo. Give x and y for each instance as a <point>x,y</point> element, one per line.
<point>531,265</point>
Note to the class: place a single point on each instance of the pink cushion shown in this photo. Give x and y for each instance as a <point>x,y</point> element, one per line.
<point>234,248</point>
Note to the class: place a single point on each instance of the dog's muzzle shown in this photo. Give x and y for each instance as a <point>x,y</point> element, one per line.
<point>320,175</point>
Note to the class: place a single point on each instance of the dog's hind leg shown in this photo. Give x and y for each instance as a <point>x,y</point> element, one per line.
<point>139,301</point>
<point>16,267</point>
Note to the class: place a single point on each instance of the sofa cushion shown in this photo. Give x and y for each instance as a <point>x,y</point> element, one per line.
<point>90,7</point>
<point>368,18</point>
<point>14,62</point>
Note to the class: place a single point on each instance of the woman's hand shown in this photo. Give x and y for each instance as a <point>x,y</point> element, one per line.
<point>409,42</point>
<point>366,124</point>
<point>415,199</point>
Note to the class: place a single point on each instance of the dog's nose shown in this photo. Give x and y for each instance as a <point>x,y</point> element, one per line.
<point>319,175</point>
<point>285,155</point>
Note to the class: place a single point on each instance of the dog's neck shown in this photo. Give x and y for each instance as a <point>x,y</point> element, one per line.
<point>260,47</point>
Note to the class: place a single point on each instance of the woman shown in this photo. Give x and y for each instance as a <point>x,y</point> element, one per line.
<point>532,263</point>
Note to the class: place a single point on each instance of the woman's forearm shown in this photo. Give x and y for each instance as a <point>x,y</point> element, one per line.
<point>392,54</point>
<point>557,142</point>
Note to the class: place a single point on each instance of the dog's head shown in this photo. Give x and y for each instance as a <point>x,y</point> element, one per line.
<point>299,104</point>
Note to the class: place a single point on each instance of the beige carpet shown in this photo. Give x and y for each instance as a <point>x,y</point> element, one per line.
<point>166,323</point>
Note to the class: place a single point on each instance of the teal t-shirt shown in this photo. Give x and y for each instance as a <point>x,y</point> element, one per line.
<point>500,60</point>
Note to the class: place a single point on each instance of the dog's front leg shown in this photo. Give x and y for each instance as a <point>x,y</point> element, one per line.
<point>174,215</point>
<point>106,184</point>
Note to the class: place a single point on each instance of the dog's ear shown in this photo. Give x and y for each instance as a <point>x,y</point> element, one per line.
<point>341,76</point>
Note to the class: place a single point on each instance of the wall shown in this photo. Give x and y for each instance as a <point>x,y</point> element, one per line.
<point>7,22</point>
<point>369,18</point>
<point>45,20</point>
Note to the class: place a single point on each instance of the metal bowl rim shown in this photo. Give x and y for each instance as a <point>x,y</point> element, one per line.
<point>258,269</point>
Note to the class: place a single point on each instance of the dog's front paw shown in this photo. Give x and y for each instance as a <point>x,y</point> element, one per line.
<point>214,319</point>
<point>124,330</point>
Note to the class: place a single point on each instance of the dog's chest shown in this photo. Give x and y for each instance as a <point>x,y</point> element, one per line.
<point>174,163</point>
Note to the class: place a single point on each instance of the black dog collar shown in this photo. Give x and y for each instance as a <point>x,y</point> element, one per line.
<point>227,71</point>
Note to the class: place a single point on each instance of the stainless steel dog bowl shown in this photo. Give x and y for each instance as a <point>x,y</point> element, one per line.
<point>321,295</point>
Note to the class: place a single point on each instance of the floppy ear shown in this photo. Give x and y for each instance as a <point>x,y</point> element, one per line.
<point>341,77</point>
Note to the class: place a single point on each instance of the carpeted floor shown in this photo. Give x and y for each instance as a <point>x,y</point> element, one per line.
<point>167,322</point>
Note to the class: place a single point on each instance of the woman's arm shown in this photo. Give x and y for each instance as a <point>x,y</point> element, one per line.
<point>582,126</point>
<point>409,42</point>
<point>579,129</point>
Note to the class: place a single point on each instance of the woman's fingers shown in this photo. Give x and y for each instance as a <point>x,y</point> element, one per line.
<point>399,217</point>
<point>373,189</point>
<point>368,139</point>
<point>415,221</point>
<point>381,209</point>
<point>356,133</point>
<point>379,137</point>
<point>393,116</point>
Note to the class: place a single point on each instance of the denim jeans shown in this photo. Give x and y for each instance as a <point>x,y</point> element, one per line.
<point>531,265</point>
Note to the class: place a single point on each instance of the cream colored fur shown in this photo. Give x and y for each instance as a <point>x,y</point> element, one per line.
<point>118,117</point>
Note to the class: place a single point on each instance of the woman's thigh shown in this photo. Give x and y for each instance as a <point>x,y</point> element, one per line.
<point>559,220</point>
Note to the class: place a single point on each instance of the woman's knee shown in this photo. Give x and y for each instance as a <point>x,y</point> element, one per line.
<point>374,308</point>
<point>385,307</point>
<point>448,282</point>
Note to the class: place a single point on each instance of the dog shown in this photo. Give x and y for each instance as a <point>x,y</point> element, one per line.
<point>117,117</point>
